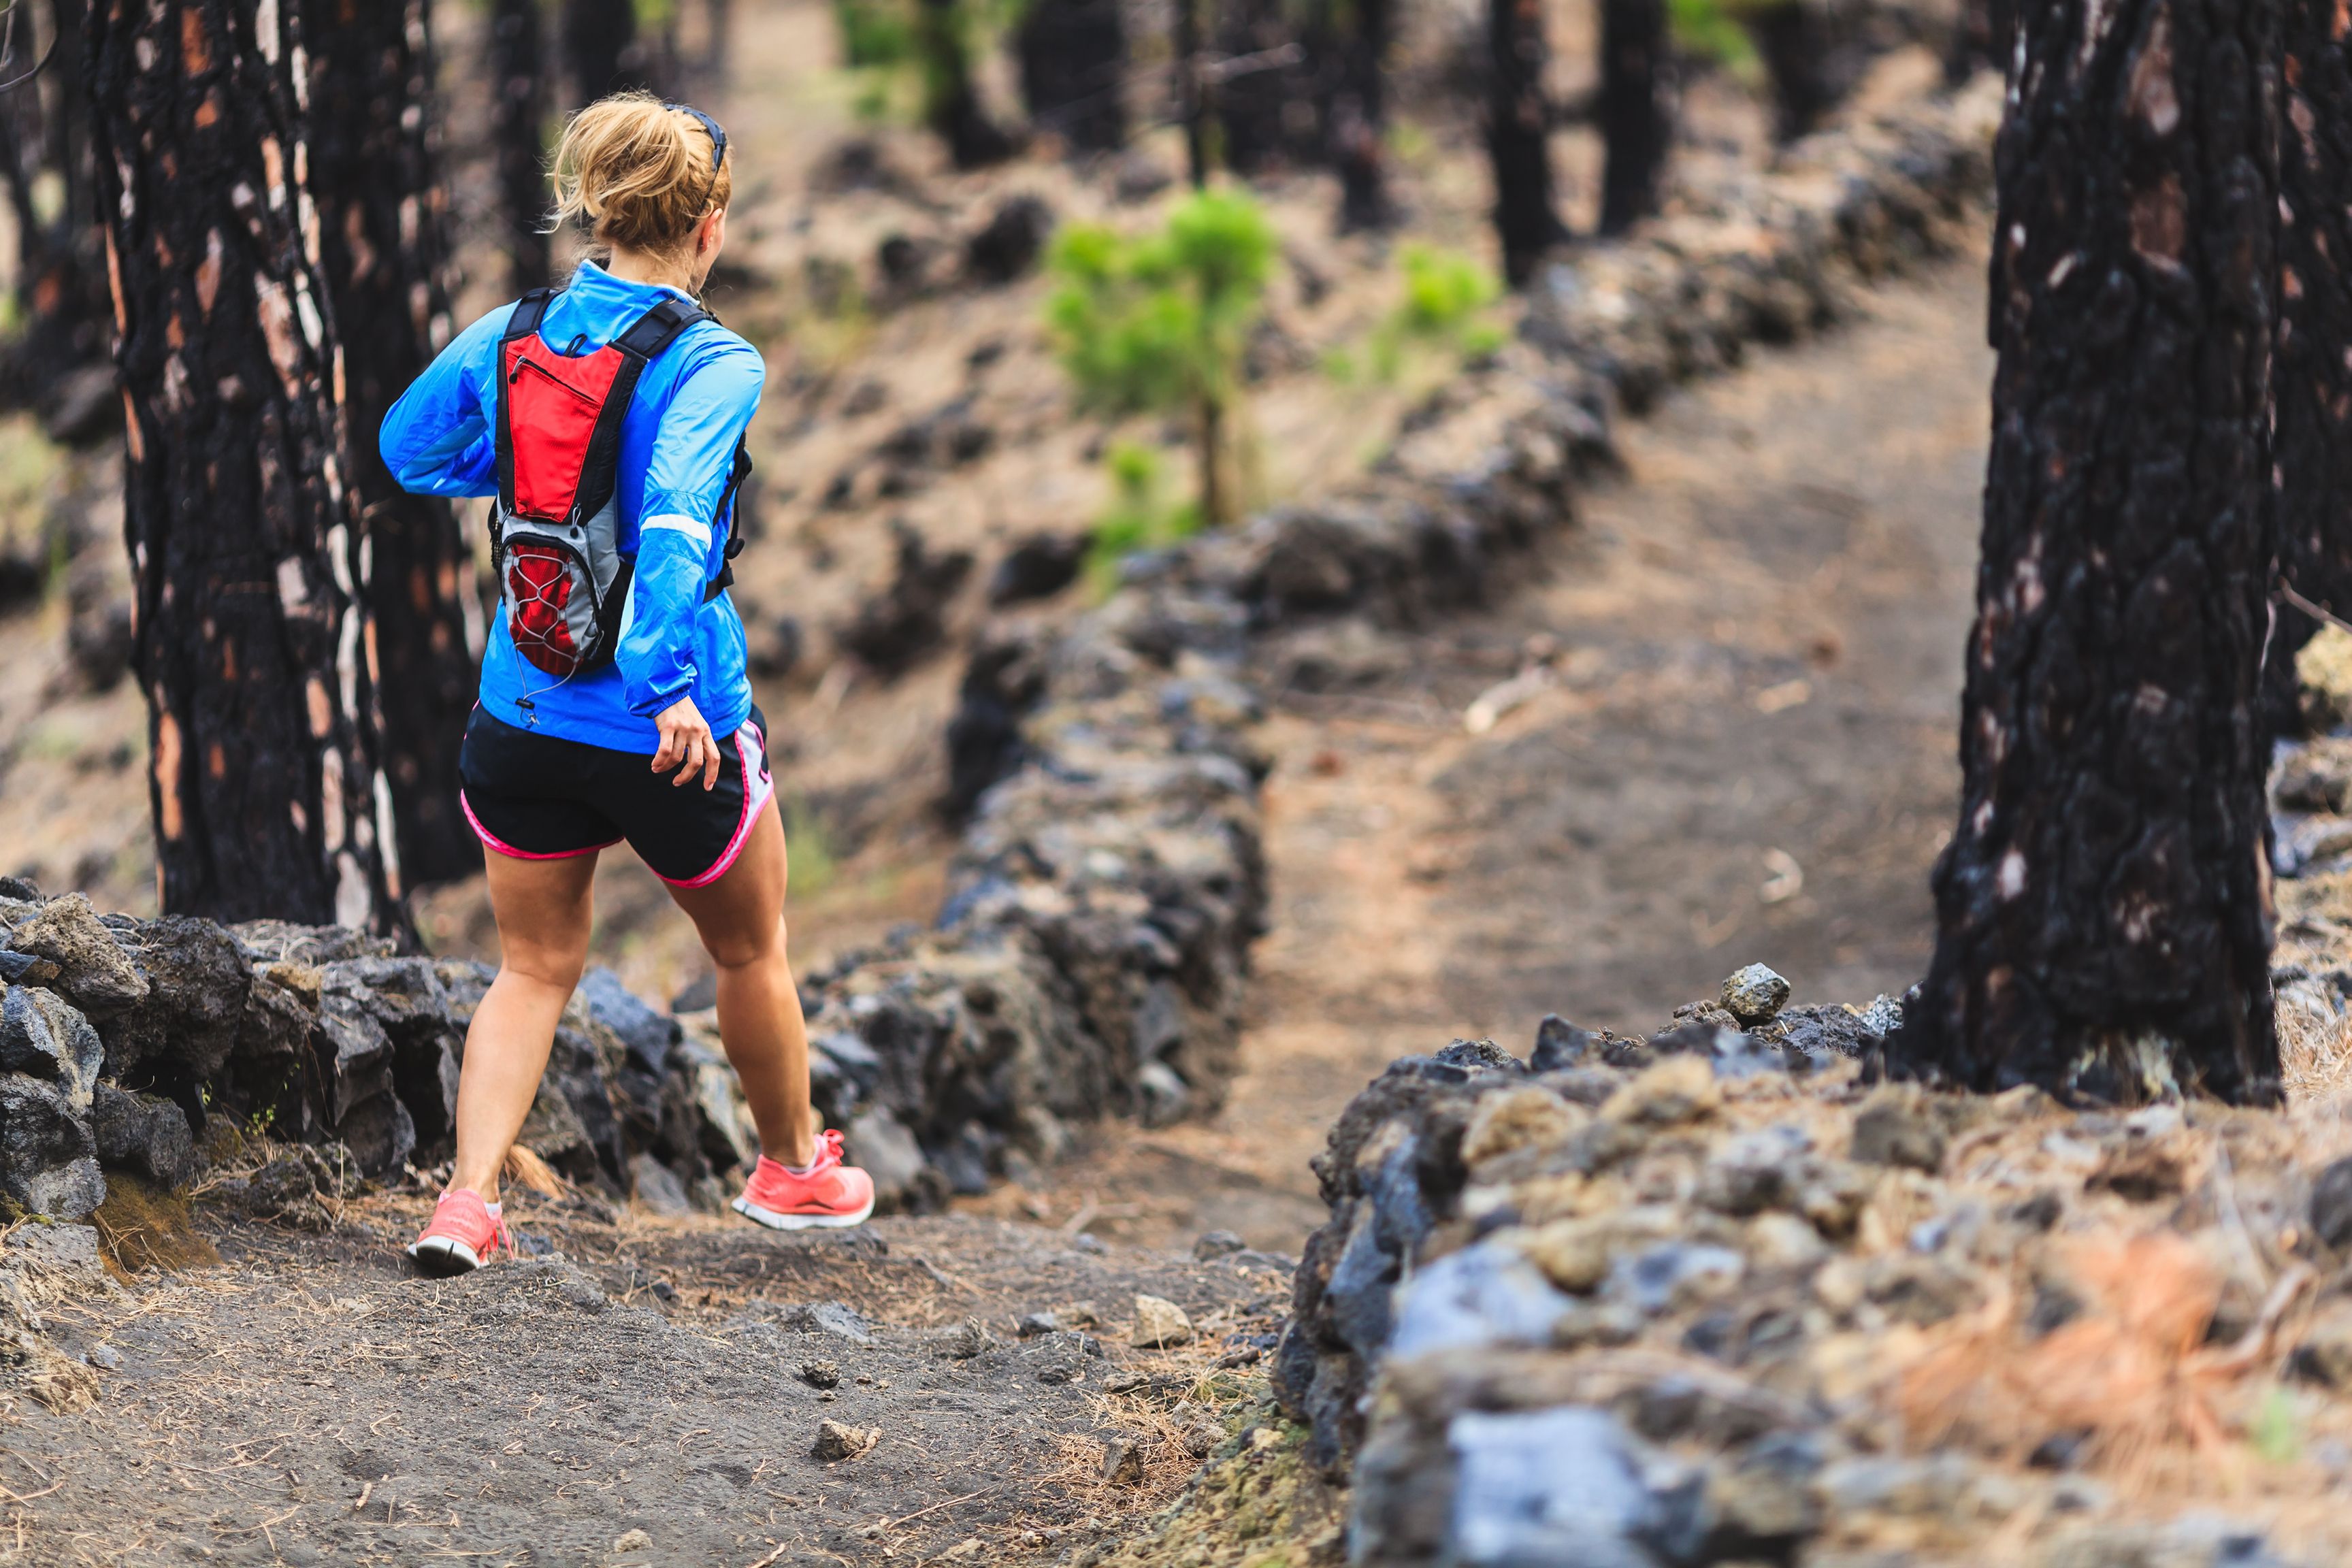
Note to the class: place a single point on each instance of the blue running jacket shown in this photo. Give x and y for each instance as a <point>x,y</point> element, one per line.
<point>677,447</point>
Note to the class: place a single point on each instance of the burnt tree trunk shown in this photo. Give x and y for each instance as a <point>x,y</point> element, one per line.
<point>600,49</point>
<point>1637,123</point>
<point>1519,121</point>
<point>56,360</point>
<point>518,128</point>
<point>1813,52</point>
<point>252,640</point>
<point>375,163</point>
<point>1073,64</point>
<point>951,106</point>
<point>1355,113</point>
<point>1191,91</point>
<point>2102,910</point>
<point>2312,383</point>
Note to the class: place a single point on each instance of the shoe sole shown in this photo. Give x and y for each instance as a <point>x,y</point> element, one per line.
<point>443,1258</point>
<point>786,1221</point>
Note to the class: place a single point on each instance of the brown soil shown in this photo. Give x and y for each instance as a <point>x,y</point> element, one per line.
<point>310,1402</point>
<point>1758,639</point>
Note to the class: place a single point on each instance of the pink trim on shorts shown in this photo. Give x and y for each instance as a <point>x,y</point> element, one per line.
<point>493,841</point>
<point>753,801</point>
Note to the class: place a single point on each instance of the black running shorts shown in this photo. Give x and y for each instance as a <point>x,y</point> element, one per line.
<point>536,798</point>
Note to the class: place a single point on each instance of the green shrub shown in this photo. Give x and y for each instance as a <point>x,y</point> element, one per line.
<point>1445,307</point>
<point>1139,517</point>
<point>1710,30</point>
<point>1158,322</point>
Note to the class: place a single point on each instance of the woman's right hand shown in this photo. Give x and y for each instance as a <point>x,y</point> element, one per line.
<point>687,743</point>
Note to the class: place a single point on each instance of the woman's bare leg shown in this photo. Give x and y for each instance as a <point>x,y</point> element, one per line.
<point>741,919</point>
<point>544,909</point>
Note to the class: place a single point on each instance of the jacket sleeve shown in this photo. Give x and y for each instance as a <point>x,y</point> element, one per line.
<point>681,538</point>
<point>437,438</point>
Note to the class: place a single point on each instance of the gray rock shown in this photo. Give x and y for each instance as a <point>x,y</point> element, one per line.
<point>2331,1205</point>
<point>1215,1244</point>
<point>1558,1045</point>
<point>837,1442</point>
<point>820,1375</point>
<point>1160,1322</point>
<point>91,967</point>
<point>1029,1325</point>
<point>1548,1489</point>
<point>828,1318</point>
<point>657,1186</point>
<point>878,1143</point>
<point>48,1160</point>
<point>1163,1097</point>
<point>1896,1129</point>
<point>1482,1295</point>
<point>1672,1272</point>
<point>143,1133</point>
<point>963,1341</point>
<point>43,1034</point>
<point>1753,994</point>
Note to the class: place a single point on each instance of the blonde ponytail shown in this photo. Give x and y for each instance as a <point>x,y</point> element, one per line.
<point>638,173</point>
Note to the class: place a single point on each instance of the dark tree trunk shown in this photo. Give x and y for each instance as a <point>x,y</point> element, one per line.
<point>57,362</point>
<point>1637,123</point>
<point>1519,121</point>
<point>1191,91</point>
<point>1812,52</point>
<point>600,49</point>
<point>1073,64</point>
<point>951,106</point>
<point>244,538</point>
<point>2312,383</point>
<point>1264,111</point>
<point>2103,922</point>
<point>518,128</point>
<point>1355,114</point>
<point>375,163</point>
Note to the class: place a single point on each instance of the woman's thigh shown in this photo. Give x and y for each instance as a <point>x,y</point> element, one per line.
<point>545,910</point>
<point>740,916</point>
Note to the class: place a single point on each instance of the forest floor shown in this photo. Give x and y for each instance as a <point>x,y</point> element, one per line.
<point>1745,754</point>
<point>1601,850</point>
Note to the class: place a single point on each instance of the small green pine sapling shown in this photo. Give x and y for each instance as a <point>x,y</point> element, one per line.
<point>1158,322</point>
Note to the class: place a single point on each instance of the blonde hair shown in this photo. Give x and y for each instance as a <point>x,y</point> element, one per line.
<point>638,173</point>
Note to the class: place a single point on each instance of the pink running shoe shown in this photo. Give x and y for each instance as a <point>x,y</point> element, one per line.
<point>464,1236</point>
<point>830,1196</point>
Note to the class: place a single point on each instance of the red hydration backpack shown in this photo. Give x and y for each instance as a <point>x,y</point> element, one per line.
<point>554,534</point>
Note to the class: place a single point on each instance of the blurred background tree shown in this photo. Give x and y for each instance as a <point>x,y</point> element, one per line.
<point>1158,322</point>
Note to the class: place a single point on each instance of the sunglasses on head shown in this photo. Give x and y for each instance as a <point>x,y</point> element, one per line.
<point>718,135</point>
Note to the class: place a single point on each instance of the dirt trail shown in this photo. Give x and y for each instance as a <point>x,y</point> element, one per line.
<point>1758,638</point>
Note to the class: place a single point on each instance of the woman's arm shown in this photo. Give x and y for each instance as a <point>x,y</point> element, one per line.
<point>437,438</point>
<point>679,529</point>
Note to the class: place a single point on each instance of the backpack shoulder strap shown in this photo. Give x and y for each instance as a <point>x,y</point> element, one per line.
<point>659,327</point>
<point>522,323</point>
<point>529,311</point>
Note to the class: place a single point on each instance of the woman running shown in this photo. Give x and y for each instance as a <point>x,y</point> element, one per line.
<point>608,420</point>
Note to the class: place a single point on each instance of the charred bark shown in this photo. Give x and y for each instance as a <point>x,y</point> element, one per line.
<point>1814,53</point>
<point>2102,910</point>
<point>1266,106</point>
<point>1636,123</point>
<point>2312,384</point>
<point>951,105</point>
<point>1518,122</point>
<point>1073,66</point>
<point>1355,110</point>
<point>601,49</point>
<point>56,360</point>
<point>375,163</point>
<point>251,572</point>
<point>518,128</point>
<point>1981,37</point>
<point>1191,91</point>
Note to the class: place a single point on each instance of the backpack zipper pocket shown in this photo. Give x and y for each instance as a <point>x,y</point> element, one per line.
<point>523,362</point>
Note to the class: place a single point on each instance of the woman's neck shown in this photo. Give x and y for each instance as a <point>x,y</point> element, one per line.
<point>651,267</point>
